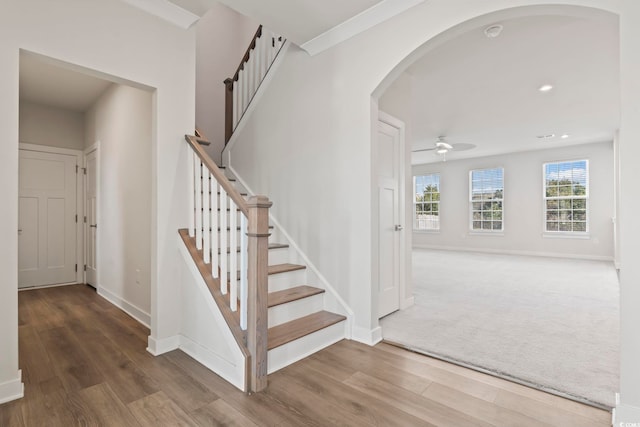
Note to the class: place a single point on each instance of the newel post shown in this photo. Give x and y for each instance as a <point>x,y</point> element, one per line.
<point>258,247</point>
<point>228,109</point>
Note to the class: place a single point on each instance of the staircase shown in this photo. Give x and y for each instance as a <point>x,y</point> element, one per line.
<point>231,251</point>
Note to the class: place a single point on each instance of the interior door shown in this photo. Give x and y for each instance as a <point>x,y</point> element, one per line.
<point>46,219</point>
<point>91,221</point>
<point>389,225</point>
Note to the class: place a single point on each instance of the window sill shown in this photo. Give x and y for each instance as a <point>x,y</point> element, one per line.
<point>566,235</point>
<point>486,233</point>
<point>426,231</point>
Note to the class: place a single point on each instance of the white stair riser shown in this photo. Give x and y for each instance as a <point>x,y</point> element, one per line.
<point>276,256</point>
<point>295,350</point>
<point>282,281</point>
<point>284,313</point>
<point>279,256</point>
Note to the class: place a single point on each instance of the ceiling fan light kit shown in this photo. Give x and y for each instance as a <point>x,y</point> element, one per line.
<point>442,148</point>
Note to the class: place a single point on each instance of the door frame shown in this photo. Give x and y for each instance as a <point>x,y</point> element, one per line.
<point>94,147</point>
<point>79,206</point>
<point>402,285</point>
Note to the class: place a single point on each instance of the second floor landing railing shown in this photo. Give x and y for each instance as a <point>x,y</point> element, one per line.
<point>243,85</point>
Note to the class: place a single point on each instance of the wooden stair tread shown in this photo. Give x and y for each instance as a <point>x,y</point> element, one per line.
<point>290,331</point>
<point>292,294</point>
<point>283,268</point>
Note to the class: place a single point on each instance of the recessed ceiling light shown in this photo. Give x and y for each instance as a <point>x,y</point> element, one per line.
<point>564,136</point>
<point>547,136</point>
<point>545,88</point>
<point>493,31</point>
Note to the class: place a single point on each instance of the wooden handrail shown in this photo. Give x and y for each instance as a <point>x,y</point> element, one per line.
<point>218,175</point>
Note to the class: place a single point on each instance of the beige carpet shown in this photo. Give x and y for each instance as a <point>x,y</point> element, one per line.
<point>546,322</point>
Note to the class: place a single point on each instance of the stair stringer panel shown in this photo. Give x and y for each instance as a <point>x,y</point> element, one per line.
<point>204,334</point>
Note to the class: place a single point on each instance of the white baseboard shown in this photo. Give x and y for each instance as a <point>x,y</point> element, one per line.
<point>214,362</point>
<point>511,252</point>
<point>163,345</point>
<point>133,311</point>
<point>366,336</point>
<point>12,389</point>
<point>626,416</point>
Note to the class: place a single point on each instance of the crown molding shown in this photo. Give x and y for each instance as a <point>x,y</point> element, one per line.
<point>366,19</point>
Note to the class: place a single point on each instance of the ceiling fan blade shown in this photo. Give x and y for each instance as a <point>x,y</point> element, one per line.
<point>463,147</point>
<point>423,149</point>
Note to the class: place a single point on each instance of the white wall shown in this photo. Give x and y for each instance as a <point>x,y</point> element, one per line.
<point>523,204</point>
<point>120,121</point>
<point>116,40</point>
<point>222,37</point>
<point>54,127</point>
<point>394,102</point>
<point>308,146</point>
<point>629,410</point>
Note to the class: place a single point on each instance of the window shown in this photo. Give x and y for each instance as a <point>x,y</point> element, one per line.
<point>426,202</point>
<point>486,197</point>
<point>566,196</point>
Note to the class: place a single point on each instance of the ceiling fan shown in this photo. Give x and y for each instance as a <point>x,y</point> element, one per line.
<point>442,147</point>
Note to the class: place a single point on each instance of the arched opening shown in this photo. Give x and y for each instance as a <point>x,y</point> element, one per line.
<point>472,229</point>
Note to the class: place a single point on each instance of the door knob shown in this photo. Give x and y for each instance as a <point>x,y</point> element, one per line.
<point>94,226</point>
<point>398,227</point>
<point>19,230</point>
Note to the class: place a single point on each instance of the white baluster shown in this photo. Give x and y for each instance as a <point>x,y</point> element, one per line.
<point>243,272</point>
<point>215,215</point>
<point>223,241</point>
<point>236,103</point>
<point>233,265</point>
<point>249,77</point>
<point>272,48</point>
<point>192,192</point>
<point>206,215</point>
<point>198,210</point>
<point>241,86</point>
<point>243,93</point>
<point>259,62</point>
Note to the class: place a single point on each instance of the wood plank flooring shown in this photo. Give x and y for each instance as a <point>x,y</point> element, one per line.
<point>84,363</point>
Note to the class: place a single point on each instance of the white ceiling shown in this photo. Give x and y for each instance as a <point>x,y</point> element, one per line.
<point>473,89</point>
<point>312,25</point>
<point>45,83</point>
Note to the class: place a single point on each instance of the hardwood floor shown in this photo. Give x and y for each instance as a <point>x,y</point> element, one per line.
<point>84,363</point>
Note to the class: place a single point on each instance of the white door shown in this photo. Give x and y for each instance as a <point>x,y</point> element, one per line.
<point>388,152</point>
<point>46,219</point>
<point>91,219</point>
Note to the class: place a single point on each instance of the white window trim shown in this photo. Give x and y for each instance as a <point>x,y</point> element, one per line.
<point>565,234</point>
<point>471,231</point>
<point>425,230</point>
